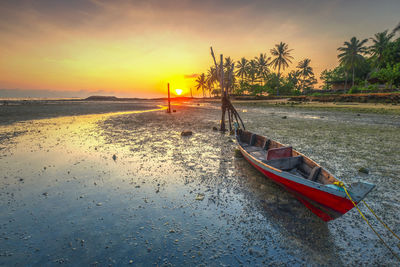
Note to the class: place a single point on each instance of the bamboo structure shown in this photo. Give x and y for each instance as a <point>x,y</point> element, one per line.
<point>226,107</point>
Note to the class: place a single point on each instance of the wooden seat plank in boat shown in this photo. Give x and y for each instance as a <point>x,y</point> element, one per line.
<point>278,153</point>
<point>285,164</point>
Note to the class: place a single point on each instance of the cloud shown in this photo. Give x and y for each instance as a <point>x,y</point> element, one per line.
<point>129,44</point>
<point>191,76</point>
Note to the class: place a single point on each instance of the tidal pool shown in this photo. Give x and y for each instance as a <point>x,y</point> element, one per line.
<point>125,188</point>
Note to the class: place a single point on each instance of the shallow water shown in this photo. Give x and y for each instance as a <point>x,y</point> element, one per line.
<point>65,199</point>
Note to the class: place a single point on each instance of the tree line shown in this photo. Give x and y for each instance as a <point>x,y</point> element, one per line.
<point>255,77</point>
<point>357,63</point>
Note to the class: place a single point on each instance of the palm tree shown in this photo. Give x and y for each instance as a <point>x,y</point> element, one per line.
<point>397,28</point>
<point>262,63</point>
<point>228,66</point>
<point>305,70</point>
<point>212,76</point>
<point>380,43</point>
<point>252,71</point>
<point>242,68</point>
<point>201,83</point>
<point>281,52</point>
<point>294,77</point>
<point>228,63</point>
<point>352,53</point>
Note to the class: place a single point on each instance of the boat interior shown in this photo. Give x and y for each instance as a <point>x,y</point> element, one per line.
<point>284,158</point>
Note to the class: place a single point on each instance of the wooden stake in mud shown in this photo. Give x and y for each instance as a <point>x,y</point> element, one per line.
<point>223,93</point>
<point>226,106</point>
<point>169,101</point>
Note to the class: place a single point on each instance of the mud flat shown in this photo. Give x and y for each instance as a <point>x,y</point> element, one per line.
<point>126,188</point>
<point>354,107</point>
<point>22,110</point>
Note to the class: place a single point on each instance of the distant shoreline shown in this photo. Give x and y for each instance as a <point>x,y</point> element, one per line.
<point>17,111</point>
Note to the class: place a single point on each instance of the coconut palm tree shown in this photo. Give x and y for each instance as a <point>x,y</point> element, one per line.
<point>262,63</point>
<point>294,77</point>
<point>228,67</point>
<point>212,76</point>
<point>228,63</point>
<point>242,68</point>
<point>305,70</point>
<point>252,71</point>
<point>380,41</point>
<point>396,29</point>
<point>352,53</point>
<point>201,83</point>
<point>281,52</point>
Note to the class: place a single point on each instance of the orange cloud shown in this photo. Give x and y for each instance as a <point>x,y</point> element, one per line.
<point>191,76</point>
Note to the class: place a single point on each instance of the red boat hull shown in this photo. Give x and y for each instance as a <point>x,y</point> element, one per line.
<point>325,205</point>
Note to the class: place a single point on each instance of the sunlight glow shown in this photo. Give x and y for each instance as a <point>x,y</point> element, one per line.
<point>178,91</point>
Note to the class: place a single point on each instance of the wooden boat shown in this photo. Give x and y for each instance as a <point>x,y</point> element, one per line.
<point>313,185</point>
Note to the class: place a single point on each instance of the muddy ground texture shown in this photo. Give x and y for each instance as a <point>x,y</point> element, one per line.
<point>120,189</point>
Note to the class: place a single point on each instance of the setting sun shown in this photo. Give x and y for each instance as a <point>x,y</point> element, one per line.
<point>178,91</point>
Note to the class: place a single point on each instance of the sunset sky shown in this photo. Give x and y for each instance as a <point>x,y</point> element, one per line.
<point>133,48</point>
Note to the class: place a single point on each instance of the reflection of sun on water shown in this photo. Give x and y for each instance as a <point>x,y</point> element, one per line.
<point>178,91</point>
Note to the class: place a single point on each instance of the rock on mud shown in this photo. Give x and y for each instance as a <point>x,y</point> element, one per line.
<point>200,196</point>
<point>186,133</point>
<point>363,170</point>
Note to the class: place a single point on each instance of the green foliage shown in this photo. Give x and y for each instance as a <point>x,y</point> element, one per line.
<point>257,89</point>
<point>216,92</point>
<point>316,94</point>
<point>362,89</point>
<point>355,89</point>
<point>294,78</point>
<point>334,75</point>
<point>391,55</point>
<point>242,88</point>
<point>272,83</point>
<point>296,92</point>
<point>286,87</point>
<point>388,74</point>
<point>372,87</point>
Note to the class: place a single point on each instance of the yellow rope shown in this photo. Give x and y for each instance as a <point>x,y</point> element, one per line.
<point>341,184</point>
<point>380,220</point>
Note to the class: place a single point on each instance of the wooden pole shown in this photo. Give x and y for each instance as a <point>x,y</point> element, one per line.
<point>221,67</point>
<point>169,101</point>
<point>226,103</point>
<point>191,94</point>
<point>223,94</point>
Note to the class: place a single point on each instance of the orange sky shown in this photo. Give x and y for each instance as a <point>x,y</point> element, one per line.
<point>133,48</point>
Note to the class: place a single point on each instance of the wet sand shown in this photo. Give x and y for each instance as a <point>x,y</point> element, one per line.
<point>354,107</point>
<point>164,199</point>
<point>22,110</point>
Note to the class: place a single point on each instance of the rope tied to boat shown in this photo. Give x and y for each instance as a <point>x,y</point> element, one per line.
<point>341,184</point>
